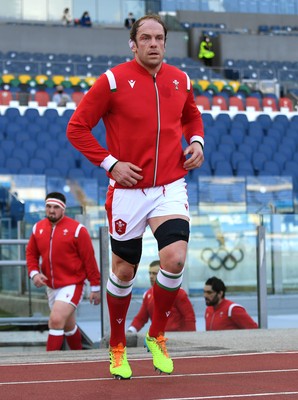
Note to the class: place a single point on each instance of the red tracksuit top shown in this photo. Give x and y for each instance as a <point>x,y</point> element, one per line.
<point>228,315</point>
<point>145,118</point>
<point>182,317</point>
<point>67,253</point>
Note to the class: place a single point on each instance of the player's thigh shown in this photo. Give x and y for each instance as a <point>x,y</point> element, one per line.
<point>61,312</point>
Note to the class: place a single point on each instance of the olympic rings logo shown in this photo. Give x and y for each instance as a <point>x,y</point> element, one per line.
<point>222,257</point>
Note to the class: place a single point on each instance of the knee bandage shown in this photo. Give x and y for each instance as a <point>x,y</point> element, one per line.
<point>172,231</point>
<point>129,250</point>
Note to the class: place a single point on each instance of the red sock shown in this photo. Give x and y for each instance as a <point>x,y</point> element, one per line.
<point>74,339</point>
<point>163,301</point>
<point>118,307</point>
<point>55,339</point>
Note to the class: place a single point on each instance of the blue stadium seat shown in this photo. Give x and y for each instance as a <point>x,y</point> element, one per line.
<point>22,155</point>
<point>215,157</point>
<point>245,168</point>
<point>237,156</point>
<point>246,149</point>
<point>52,172</point>
<point>272,167</point>
<point>238,134</point>
<point>223,168</point>
<point>30,146</point>
<point>75,173</point>
<point>7,145</point>
<point>38,165</point>
<point>14,165</point>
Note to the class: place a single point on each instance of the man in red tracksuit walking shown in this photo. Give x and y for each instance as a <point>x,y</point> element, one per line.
<point>146,106</point>
<point>67,259</point>
<point>223,314</point>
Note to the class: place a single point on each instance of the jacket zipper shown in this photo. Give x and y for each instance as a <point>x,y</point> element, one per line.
<point>50,255</point>
<point>158,130</point>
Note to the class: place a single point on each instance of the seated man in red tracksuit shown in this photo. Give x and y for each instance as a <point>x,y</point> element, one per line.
<point>223,314</point>
<point>182,317</point>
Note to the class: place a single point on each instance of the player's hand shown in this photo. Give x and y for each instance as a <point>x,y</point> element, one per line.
<point>196,158</point>
<point>126,173</point>
<point>94,298</point>
<point>39,280</point>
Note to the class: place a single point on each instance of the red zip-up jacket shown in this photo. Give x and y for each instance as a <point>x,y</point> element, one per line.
<point>182,317</point>
<point>66,251</point>
<point>144,116</point>
<point>228,315</point>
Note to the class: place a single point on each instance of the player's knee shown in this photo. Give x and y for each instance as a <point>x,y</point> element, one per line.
<point>171,231</point>
<point>56,322</point>
<point>129,250</point>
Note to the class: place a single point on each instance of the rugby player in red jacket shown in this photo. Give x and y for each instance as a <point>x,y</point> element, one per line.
<point>223,314</point>
<point>182,316</point>
<point>147,106</point>
<point>60,256</point>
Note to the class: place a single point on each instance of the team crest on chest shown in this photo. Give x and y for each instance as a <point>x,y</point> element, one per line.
<point>176,83</point>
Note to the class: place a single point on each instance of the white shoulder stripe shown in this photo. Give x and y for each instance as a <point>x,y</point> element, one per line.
<point>188,82</point>
<point>111,79</point>
<point>231,308</point>
<point>34,228</point>
<point>78,230</point>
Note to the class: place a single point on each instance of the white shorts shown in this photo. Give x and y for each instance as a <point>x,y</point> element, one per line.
<point>72,294</point>
<point>128,210</point>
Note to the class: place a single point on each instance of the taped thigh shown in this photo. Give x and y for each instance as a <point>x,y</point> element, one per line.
<point>172,231</point>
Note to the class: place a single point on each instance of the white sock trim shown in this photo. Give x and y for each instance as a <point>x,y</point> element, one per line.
<point>56,332</point>
<point>71,333</point>
<point>169,280</point>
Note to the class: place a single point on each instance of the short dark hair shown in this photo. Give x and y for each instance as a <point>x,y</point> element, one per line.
<point>56,195</point>
<point>217,285</point>
<point>138,22</point>
<point>154,263</point>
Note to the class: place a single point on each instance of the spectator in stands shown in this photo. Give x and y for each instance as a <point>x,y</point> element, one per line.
<point>60,97</point>
<point>223,314</point>
<point>206,54</point>
<point>86,20</point>
<point>60,256</point>
<point>129,21</point>
<point>182,317</point>
<point>66,17</point>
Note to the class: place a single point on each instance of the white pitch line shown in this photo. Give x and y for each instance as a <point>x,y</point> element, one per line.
<point>150,377</point>
<point>232,396</point>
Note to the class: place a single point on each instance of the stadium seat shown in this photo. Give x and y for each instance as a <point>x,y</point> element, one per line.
<point>5,97</point>
<point>269,103</point>
<point>75,173</point>
<point>236,102</point>
<point>38,165</point>
<point>220,101</point>
<point>245,168</point>
<point>254,103</point>
<point>77,97</point>
<point>42,97</point>
<point>237,156</point>
<point>203,102</point>
<point>286,103</point>
<point>223,168</point>
<point>215,157</point>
